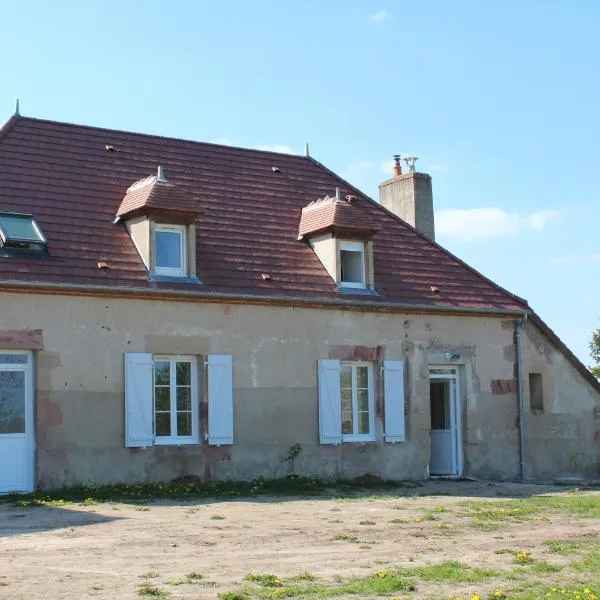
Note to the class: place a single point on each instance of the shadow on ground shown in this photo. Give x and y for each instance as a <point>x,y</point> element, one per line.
<point>19,521</point>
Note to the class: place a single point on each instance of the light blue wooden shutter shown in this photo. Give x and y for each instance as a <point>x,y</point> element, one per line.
<point>220,399</point>
<point>393,390</point>
<point>330,402</point>
<point>138,400</point>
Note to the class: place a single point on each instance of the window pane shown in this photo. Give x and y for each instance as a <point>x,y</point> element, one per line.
<point>440,404</point>
<point>19,227</point>
<point>346,411</point>
<point>183,373</point>
<point>168,249</point>
<point>362,377</point>
<point>12,402</point>
<point>362,397</point>
<point>352,266</point>
<point>184,423</point>
<point>346,377</point>
<point>363,422</point>
<point>163,424</point>
<point>363,400</point>
<point>13,359</point>
<point>161,398</point>
<point>184,398</point>
<point>161,372</point>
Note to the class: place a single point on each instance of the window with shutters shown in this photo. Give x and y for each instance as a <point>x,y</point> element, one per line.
<point>356,387</point>
<point>162,399</point>
<point>347,403</point>
<point>175,400</point>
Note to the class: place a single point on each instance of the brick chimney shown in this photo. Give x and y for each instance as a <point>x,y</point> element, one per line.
<point>409,196</point>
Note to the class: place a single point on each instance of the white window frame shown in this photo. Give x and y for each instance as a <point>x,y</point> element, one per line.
<point>352,247</point>
<point>170,271</point>
<point>360,437</point>
<point>172,440</point>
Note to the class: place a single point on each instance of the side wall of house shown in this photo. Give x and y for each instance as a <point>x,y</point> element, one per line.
<point>80,390</point>
<point>567,426</point>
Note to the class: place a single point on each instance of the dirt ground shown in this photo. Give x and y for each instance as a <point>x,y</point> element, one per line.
<point>104,550</point>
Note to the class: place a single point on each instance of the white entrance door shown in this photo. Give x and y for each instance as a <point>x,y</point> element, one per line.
<point>445,458</point>
<point>16,422</point>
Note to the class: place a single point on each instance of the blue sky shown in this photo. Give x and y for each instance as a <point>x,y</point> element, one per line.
<point>500,100</point>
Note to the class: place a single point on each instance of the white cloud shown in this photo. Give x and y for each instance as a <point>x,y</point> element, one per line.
<point>575,260</point>
<point>380,15</point>
<point>480,223</point>
<point>278,148</point>
<point>387,167</point>
<point>224,141</point>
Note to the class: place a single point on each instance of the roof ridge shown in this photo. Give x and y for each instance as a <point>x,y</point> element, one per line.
<point>422,235</point>
<point>154,136</point>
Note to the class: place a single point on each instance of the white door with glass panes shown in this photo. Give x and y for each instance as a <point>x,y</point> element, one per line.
<point>445,458</point>
<point>16,422</point>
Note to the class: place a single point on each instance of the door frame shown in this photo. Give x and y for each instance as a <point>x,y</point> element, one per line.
<point>450,373</point>
<point>29,412</point>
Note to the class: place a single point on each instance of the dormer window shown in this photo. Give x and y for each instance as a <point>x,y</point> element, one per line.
<point>340,232</point>
<point>161,220</point>
<point>171,249</point>
<point>21,231</point>
<point>352,264</point>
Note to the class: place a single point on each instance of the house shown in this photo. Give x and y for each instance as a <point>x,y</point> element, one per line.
<point>173,308</point>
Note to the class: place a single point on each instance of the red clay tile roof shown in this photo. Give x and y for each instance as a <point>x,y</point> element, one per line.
<point>340,216</point>
<point>152,194</point>
<point>64,175</point>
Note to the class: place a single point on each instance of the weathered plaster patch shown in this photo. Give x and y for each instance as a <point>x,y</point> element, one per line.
<point>503,386</point>
<point>49,413</point>
<point>177,344</point>
<point>370,353</point>
<point>22,339</point>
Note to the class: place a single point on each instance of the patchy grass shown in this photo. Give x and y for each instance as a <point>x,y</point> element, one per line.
<point>240,595</point>
<point>342,537</point>
<point>450,571</point>
<point>217,517</point>
<point>543,566</point>
<point>264,579</point>
<point>573,546</point>
<point>381,583</point>
<point>491,513</point>
<point>367,522</point>
<point>152,591</point>
<point>291,485</point>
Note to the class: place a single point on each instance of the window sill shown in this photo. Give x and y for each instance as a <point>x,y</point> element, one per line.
<point>362,291</point>
<point>177,442</point>
<point>173,279</point>
<point>358,440</point>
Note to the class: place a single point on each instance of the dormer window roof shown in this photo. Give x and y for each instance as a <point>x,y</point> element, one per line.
<point>157,195</point>
<point>338,215</point>
<point>21,231</point>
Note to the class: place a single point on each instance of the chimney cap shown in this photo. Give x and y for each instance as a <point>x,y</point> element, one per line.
<point>397,166</point>
<point>410,162</point>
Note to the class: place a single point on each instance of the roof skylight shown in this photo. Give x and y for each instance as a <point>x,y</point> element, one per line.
<point>21,231</point>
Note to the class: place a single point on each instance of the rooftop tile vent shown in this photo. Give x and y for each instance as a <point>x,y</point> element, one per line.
<point>21,231</point>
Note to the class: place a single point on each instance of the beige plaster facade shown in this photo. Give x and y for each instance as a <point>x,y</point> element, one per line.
<point>79,390</point>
